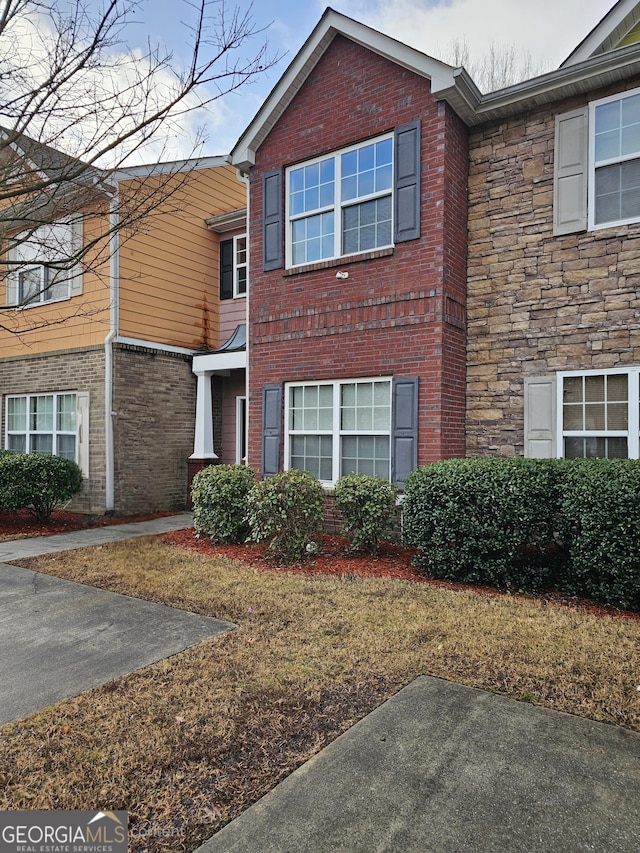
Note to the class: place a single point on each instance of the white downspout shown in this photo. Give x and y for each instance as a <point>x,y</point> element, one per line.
<point>108,354</point>
<point>245,180</point>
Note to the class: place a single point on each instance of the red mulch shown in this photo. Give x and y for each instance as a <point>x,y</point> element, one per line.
<point>21,523</point>
<point>392,561</point>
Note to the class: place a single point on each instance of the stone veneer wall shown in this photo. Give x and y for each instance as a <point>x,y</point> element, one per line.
<point>537,303</point>
<point>71,370</point>
<point>154,403</point>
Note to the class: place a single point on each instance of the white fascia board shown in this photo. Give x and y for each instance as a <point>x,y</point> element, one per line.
<point>171,167</point>
<point>331,24</point>
<point>614,19</point>
<point>211,362</point>
<point>136,342</point>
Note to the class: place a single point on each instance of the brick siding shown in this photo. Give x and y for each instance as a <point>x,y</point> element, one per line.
<point>401,312</point>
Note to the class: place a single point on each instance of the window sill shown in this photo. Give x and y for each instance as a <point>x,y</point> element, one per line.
<point>341,262</point>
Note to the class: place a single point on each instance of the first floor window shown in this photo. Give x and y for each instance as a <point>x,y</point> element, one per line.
<point>598,414</point>
<point>337,428</point>
<point>42,423</point>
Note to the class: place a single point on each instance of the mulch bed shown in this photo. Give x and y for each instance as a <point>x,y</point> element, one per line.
<point>394,561</point>
<point>22,523</point>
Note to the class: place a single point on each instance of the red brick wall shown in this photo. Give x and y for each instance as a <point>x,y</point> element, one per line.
<point>401,311</point>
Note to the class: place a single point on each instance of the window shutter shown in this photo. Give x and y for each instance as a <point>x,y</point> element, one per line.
<point>226,269</point>
<point>570,172</point>
<point>407,182</point>
<point>540,417</point>
<point>404,429</point>
<point>82,415</point>
<point>271,429</point>
<point>272,220</point>
<point>12,277</point>
<point>76,248</point>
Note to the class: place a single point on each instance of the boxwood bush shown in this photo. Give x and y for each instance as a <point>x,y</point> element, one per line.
<point>601,505</point>
<point>219,495</point>
<point>368,508</point>
<point>37,481</point>
<point>485,520</point>
<point>287,511</point>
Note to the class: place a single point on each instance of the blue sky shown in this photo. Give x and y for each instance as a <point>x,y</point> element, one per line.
<point>546,30</point>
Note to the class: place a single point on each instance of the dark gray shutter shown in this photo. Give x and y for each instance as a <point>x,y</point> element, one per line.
<point>407,182</point>
<point>272,220</point>
<point>404,429</point>
<point>570,172</point>
<point>271,429</point>
<point>226,269</point>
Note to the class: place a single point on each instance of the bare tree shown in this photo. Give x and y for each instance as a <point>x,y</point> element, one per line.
<point>499,67</point>
<point>76,103</point>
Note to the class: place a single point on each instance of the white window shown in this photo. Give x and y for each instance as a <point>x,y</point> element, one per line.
<point>42,263</point>
<point>599,414</point>
<point>341,204</point>
<point>614,176</point>
<point>240,265</point>
<point>43,423</point>
<point>337,428</point>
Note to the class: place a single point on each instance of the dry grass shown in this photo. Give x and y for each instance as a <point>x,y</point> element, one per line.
<point>186,744</point>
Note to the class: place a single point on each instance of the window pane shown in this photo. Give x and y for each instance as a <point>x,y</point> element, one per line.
<point>617,416</point>
<point>17,413</point>
<point>572,389</point>
<point>67,446</point>
<point>617,387</point>
<point>594,416</point>
<point>17,443</point>
<point>594,389</point>
<point>41,444</point>
<point>66,419</point>
<point>42,413</point>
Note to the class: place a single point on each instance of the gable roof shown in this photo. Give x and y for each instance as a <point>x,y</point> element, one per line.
<point>331,24</point>
<point>608,34</point>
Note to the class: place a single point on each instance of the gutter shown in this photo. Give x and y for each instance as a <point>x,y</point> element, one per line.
<point>108,354</point>
<point>244,177</point>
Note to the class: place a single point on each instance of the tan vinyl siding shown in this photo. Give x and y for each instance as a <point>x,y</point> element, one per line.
<point>169,270</point>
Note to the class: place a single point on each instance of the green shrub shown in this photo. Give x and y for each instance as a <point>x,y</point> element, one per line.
<point>368,507</point>
<point>287,511</point>
<point>37,481</point>
<point>601,503</point>
<point>488,521</point>
<point>219,494</point>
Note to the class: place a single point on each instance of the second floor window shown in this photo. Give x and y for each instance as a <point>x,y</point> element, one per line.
<point>43,264</point>
<point>341,204</point>
<point>233,267</point>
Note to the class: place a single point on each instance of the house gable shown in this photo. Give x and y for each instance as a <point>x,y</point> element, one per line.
<point>618,28</point>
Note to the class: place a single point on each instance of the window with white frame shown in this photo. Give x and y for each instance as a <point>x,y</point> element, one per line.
<point>341,204</point>
<point>42,423</point>
<point>599,414</point>
<point>42,260</point>
<point>615,159</point>
<point>233,267</point>
<point>337,428</point>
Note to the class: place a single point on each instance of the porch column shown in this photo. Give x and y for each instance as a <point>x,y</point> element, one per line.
<point>203,439</point>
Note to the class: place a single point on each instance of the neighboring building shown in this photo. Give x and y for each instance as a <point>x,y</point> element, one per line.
<point>95,361</point>
<point>435,272</point>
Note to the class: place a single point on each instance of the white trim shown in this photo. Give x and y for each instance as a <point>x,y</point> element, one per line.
<point>604,31</point>
<point>241,428</point>
<point>54,432</point>
<point>137,342</point>
<point>170,167</point>
<point>212,362</point>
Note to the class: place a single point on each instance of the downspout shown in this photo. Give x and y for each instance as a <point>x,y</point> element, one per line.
<point>242,176</point>
<point>108,353</point>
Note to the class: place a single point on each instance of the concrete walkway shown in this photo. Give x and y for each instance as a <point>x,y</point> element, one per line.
<point>59,638</point>
<point>442,768</point>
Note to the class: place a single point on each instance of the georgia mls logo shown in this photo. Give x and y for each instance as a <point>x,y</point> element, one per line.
<point>63,832</point>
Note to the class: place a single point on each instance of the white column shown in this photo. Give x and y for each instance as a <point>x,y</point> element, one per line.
<point>203,441</point>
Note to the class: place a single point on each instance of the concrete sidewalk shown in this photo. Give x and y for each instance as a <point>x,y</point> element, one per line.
<point>59,638</point>
<point>449,769</point>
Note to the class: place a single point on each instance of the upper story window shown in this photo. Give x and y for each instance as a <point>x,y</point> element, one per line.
<point>615,157</point>
<point>341,204</point>
<point>43,264</point>
<point>233,267</point>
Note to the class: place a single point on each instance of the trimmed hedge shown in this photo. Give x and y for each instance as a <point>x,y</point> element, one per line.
<point>219,494</point>
<point>484,521</point>
<point>368,507</point>
<point>287,510</point>
<point>37,481</point>
<point>601,505</point>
